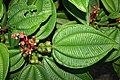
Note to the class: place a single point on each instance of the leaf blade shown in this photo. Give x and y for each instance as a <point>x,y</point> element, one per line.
<point>80,44</point>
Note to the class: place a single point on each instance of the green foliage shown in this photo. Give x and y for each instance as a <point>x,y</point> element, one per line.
<point>80,4</point>
<point>27,18</point>
<point>111,5</point>
<point>33,72</point>
<point>58,39</point>
<point>1,9</point>
<point>79,15</point>
<point>58,73</point>
<point>4,61</point>
<point>114,34</point>
<point>46,29</point>
<point>79,46</point>
<point>16,59</point>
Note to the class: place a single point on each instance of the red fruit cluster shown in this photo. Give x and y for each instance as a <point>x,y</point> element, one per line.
<point>27,45</point>
<point>93,13</point>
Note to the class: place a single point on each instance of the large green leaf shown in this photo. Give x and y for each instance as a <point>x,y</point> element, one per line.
<point>27,18</point>
<point>111,5</point>
<point>16,59</point>
<point>80,4</point>
<point>56,73</point>
<point>4,61</point>
<point>79,15</point>
<point>79,46</point>
<point>46,29</point>
<point>33,72</point>
<point>114,34</point>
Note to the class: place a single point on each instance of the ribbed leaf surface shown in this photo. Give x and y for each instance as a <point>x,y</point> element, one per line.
<point>56,73</point>
<point>111,5</point>
<point>80,4</point>
<point>27,18</point>
<point>16,59</point>
<point>46,29</point>
<point>33,72</point>
<point>4,61</point>
<point>79,46</point>
<point>114,34</point>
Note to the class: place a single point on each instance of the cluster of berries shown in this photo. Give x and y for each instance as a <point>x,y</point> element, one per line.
<point>27,45</point>
<point>93,13</point>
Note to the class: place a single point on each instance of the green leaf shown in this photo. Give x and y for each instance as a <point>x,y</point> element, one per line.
<point>1,9</point>
<point>62,19</point>
<point>46,29</point>
<point>114,34</point>
<point>117,69</point>
<point>114,15</point>
<point>79,15</point>
<point>14,75</point>
<point>33,72</point>
<point>79,46</point>
<point>80,4</point>
<point>4,61</point>
<point>111,5</point>
<point>27,18</point>
<point>117,62</point>
<point>57,73</point>
<point>4,17</point>
<point>16,59</point>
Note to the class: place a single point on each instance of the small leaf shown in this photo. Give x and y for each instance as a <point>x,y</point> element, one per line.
<point>27,18</point>
<point>79,46</point>
<point>16,59</point>
<point>111,5</point>
<point>33,72</point>
<point>4,61</point>
<point>56,73</point>
<point>80,4</point>
<point>46,29</point>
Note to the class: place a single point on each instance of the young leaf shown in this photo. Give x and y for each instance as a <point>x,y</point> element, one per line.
<point>79,46</point>
<point>16,59</point>
<point>46,29</point>
<point>33,72</point>
<point>111,5</point>
<point>80,4</point>
<point>4,61</point>
<point>56,73</point>
<point>27,18</point>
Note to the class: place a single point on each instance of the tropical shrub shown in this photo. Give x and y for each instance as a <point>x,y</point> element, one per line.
<point>40,40</point>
